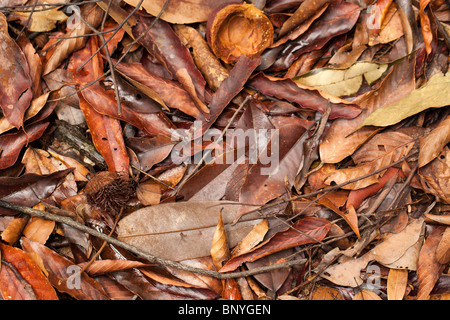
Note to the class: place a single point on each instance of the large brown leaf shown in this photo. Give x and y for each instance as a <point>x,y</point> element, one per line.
<point>428,267</point>
<point>303,231</point>
<point>20,277</point>
<point>15,88</point>
<point>11,144</point>
<point>182,230</point>
<point>59,269</point>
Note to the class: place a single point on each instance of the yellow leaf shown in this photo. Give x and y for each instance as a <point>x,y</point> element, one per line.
<point>396,283</point>
<point>434,94</point>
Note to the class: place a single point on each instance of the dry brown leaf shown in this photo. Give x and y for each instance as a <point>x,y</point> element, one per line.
<point>382,150</point>
<point>183,230</point>
<point>443,248</point>
<point>366,295</point>
<point>434,176</point>
<point>220,252</point>
<point>396,284</point>
<point>428,267</point>
<point>39,229</point>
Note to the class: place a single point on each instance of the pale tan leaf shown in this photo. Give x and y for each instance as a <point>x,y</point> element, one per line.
<point>428,96</point>
<point>41,20</point>
<point>396,283</point>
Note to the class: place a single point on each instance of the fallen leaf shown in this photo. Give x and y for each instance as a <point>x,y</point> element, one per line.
<point>15,88</point>
<point>20,277</point>
<point>366,295</point>
<point>303,231</point>
<point>343,82</point>
<point>433,143</point>
<point>434,176</point>
<point>380,151</point>
<point>342,138</point>
<point>443,248</point>
<point>59,269</point>
<point>185,229</point>
<point>396,284</point>
<point>183,12</point>
<point>427,96</point>
<point>428,267</point>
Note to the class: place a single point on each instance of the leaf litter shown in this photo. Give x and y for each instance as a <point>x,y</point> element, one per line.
<point>239,150</point>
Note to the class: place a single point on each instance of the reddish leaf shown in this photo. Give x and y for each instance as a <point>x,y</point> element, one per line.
<point>339,18</point>
<point>15,87</point>
<point>312,230</point>
<point>11,144</point>
<point>59,269</point>
<point>107,137</point>
<point>163,43</point>
<point>266,181</point>
<point>20,277</point>
<point>286,89</point>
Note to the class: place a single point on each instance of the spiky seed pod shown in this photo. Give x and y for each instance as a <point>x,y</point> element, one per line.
<point>109,191</point>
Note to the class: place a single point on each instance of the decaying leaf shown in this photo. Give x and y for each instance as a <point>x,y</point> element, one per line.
<point>428,96</point>
<point>183,230</point>
<point>239,29</point>
<point>343,82</point>
<point>389,251</point>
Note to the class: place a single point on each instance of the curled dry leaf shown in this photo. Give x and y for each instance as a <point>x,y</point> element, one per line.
<point>396,284</point>
<point>185,229</point>
<point>238,29</point>
<point>20,277</point>
<point>433,143</point>
<point>181,11</point>
<point>15,88</point>
<point>434,176</point>
<point>428,267</point>
<point>76,39</point>
<point>59,269</point>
